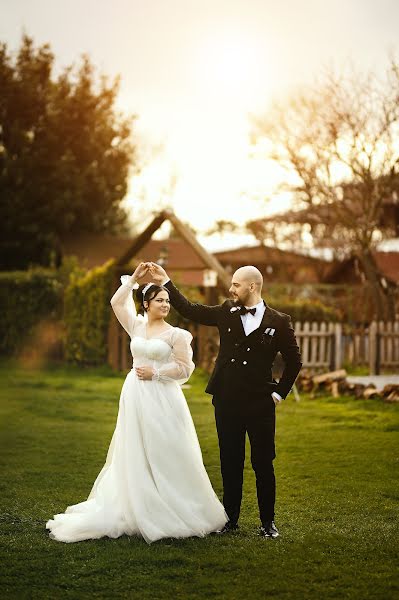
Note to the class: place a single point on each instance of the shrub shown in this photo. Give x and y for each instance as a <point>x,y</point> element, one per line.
<point>26,298</point>
<point>87,314</point>
<point>305,310</point>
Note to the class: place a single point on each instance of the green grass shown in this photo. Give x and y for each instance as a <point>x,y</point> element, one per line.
<point>337,473</point>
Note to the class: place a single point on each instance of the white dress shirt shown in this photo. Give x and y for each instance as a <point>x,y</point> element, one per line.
<point>251,322</point>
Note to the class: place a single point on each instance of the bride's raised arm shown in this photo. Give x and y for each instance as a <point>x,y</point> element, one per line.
<point>122,301</point>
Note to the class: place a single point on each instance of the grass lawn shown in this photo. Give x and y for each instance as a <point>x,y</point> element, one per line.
<point>337,474</point>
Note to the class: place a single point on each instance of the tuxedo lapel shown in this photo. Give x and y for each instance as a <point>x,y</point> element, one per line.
<point>267,320</point>
<point>237,323</point>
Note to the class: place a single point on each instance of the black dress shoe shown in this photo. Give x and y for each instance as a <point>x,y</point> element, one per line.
<point>228,528</point>
<point>269,530</point>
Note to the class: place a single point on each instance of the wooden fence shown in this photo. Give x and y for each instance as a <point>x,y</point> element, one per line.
<point>330,346</point>
<point>320,344</point>
<point>324,346</point>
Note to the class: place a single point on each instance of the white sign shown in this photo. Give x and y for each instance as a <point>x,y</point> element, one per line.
<point>210,278</point>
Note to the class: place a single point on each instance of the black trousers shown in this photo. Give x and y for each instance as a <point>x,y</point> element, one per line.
<point>232,426</point>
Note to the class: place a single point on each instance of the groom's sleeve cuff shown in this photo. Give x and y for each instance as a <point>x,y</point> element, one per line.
<point>166,281</point>
<point>276,396</point>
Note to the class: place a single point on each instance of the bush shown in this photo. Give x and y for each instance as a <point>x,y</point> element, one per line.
<point>305,310</point>
<point>87,314</point>
<point>26,298</point>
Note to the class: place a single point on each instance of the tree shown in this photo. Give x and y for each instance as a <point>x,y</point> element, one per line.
<point>338,142</point>
<point>65,155</point>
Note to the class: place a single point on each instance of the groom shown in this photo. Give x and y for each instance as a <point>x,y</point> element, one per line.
<point>244,392</point>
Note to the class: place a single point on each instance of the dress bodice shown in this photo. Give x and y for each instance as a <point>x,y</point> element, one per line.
<point>154,349</point>
<point>169,354</point>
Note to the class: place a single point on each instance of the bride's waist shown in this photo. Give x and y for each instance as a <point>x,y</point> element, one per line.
<point>146,362</point>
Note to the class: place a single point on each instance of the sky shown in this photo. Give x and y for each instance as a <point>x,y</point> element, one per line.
<point>194,72</point>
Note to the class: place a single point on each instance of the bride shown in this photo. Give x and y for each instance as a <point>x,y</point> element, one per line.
<point>153,483</point>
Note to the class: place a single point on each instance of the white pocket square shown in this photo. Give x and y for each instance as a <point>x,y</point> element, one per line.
<point>270,331</point>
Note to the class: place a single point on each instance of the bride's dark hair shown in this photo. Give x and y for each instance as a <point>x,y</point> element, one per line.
<point>150,293</point>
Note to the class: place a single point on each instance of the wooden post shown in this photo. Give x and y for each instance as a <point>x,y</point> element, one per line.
<point>323,344</point>
<point>389,345</point>
<point>314,342</point>
<point>373,340</point>
<point>337,346</point>
<point>381,346</point>
<point>330,347</point>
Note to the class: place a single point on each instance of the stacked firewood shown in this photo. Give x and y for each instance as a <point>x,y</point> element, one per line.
<point>336,384</point>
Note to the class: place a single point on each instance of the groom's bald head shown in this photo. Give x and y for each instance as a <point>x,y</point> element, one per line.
<point>250,274</point>
<point>246,284</point>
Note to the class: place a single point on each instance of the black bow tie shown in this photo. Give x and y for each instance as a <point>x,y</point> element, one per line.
<point>244,310</point>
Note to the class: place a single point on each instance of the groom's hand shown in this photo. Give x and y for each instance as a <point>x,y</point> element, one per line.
<point>276,398</point>
<point>158,273</point>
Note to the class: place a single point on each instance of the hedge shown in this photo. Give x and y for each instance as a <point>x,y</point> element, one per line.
<point>306,310</point>
<point>26,298</point>
<point>87,314</point>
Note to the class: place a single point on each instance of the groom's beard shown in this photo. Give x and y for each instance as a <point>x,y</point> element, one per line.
<point>241,301</point>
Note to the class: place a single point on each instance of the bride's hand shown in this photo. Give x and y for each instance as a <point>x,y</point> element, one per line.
<point>145,372</point>
<point>158,273</point>
<point>141,270</point>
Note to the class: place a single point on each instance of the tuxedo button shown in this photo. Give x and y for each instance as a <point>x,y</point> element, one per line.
<point>248,349</point>
<point>233,360</point>
<point>229,329</point>
<point>236,344</point>
<point>245,362</point>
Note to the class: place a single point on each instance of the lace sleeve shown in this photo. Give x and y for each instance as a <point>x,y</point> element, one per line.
<point>123,304</point>
<point>181,364</point>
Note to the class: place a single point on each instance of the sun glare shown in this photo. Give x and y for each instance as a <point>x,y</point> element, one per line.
<point>216,176</point>
<point>234,69</point>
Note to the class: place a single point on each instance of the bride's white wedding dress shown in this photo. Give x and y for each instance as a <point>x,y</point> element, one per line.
<point>153,483</point>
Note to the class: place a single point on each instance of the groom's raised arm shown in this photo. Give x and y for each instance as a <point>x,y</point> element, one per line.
<point>200,313</point>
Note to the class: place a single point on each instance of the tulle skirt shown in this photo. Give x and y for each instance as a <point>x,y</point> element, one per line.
<point>153,483</point>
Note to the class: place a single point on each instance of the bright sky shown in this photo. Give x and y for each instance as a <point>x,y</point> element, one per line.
<point>194,70</point>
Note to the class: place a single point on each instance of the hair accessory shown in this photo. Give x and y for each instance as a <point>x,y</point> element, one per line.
<point>146,288</point>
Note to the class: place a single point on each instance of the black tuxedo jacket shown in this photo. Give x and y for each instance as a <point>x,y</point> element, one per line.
<point>243,369</point>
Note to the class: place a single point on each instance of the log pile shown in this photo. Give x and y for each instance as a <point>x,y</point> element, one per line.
<point>336,384</point>
<point>391,393</point>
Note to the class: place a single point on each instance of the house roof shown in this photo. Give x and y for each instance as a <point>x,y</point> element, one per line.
<point>208,260</point>
<point>93,250</point>
<point>184,256</point>
<point>263,254</point>
<point>388,263</point>
<point>277,266</point>
<point>180,257</point>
